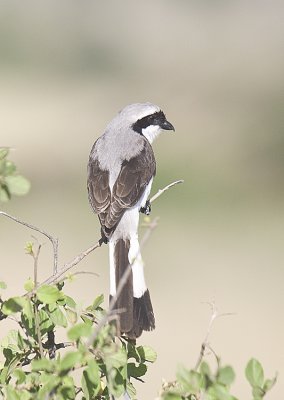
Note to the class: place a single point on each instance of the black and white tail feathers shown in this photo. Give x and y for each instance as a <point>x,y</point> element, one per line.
<point>134,303</point>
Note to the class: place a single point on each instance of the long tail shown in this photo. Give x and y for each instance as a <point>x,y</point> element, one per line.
<point>136,311</point>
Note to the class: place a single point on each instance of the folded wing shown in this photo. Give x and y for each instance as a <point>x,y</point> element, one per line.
<point>134,176</point>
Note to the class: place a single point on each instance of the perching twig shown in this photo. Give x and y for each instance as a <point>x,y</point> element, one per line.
<point>53,240</point>
<point>161,191</point>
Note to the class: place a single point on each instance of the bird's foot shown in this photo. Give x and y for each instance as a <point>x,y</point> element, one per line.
<point>146,209</point>
<point>103,239</point>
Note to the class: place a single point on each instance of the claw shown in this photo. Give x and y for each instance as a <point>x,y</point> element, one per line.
<point>146,209</point>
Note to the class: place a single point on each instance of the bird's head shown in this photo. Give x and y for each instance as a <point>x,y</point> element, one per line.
<point>146,119</point>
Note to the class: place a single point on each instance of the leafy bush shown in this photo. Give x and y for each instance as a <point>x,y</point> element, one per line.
<point>92,362</point>
<point>95,363</point>
<point>206,385</point>
<point>36,366</point>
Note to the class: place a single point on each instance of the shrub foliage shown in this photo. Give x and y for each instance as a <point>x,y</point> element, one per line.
<point>91,361</point>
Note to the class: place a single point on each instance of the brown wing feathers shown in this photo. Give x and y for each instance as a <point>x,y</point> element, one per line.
<point>132,180</point>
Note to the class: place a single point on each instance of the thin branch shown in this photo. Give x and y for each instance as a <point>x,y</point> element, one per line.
<point>54,241</point>
<point>66,267</point>
<point>214,313</point>
<point>161,191</point>
<point>37,327</point>
<point>85,273</point>
<point>35,257</point>
<point>205,344</point>
<point>121,285</point>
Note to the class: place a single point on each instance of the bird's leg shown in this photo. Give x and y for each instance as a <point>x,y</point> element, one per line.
<point>146,209</point>
<point>103,239</point>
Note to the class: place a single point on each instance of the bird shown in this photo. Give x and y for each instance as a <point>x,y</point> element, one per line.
<point>121,169</point>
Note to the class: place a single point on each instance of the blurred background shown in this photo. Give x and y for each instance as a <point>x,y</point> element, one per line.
<point>216,69</point>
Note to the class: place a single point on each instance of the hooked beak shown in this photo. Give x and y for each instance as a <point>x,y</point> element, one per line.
<point>167,126</point>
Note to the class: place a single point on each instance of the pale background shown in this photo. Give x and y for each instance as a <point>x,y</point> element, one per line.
<point>216,69</point>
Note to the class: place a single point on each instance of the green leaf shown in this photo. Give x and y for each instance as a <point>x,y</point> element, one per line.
<point>18,184</point>
<point>13,305</point>
<point>71,316</point>
<point>205,369</point>
<point>3,285</point>
<point>70,302</point>
<point>191,381</point>
<point>93,370</point>
<point>29,285</point>
<point>133,353</point>
<point>48,294</point>
<point>4,193</point>
<point>258,393</point>
<point>25,394</point>
<point>136,371</point>
<point>42,364</point>
<point>220,392</point>
<point>27,317</point>
<point>48,383</point>
<point>20,376</point>
<point>226,375</point>
<point>45,322</point>
<point>57,316</point>
<point>3,375</point>
<point>11,393</point>
<point>146,353</point>
<point>29,248</point>
<point>70,360</point>
<point>13,362</point>
<point>10,339</point>
<point>254,373</point>
<point>68,388</point>
<point>91,383</point>
<point>28,309</point>
<point>172,396</point>
<point>98,301</point>
<point>9,168</point>
<point>79,330</point>
<point>117,359</point>
<point>131,391</point>
<point>20,342</point>
<point>116,383</point>
<point>4,151</point>
<point>269,383</point>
